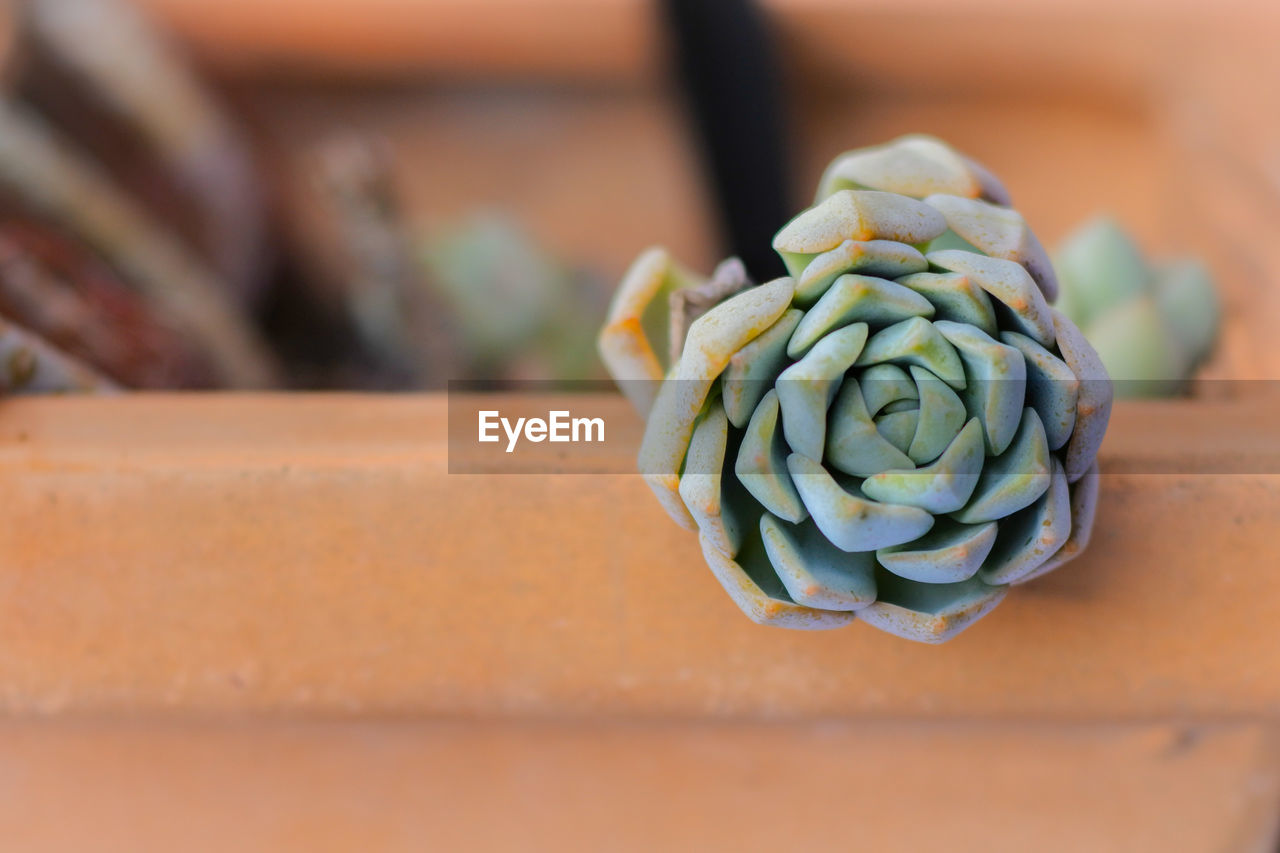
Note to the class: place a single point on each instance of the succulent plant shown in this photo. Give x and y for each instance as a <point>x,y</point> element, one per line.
<point>545,333</point>
<point>895,432</point>
<point>1153,326</point>
<point>132,233</point>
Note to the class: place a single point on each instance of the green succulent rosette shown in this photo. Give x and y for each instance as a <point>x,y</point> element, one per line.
<point>1153,325</point>
<point>898,430</point>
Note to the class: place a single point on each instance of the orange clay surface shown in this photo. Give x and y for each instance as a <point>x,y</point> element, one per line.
<point>311,554</point>
<point>276,623</point>
<point>124,787</point>
<point>619,39</point>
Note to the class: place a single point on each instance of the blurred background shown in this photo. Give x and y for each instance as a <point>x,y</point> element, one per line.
<point>390,194</point>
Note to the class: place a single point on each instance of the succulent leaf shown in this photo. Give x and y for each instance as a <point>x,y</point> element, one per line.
<point>916,166</point>
<point>1052,389</point>
<point>850,522</point>
<point>700,485</point>
<point>855,215</point>
<point>929,612</point>
<point>855,445</point>
<point>1013,479</point>
<point>1029,537</point>
<point>997,391</point>
<point>1000,232</point>
<point>815,572</point>
<point>806,388</point>
<point>887,385</point>
<point>945,486</point>
<point>857,299</point>
<point>883,258</point>
<point>956,298</point>
<point>1093,403</point>
<point>942,415</point>
<point>919,342</point>
<point>753,369</point>
<point>758,605</point>
<point>761,465</point>
<point>713,339</point>
<point>1084,505</point>
<point>1009,284</point>
<point>949,553</point>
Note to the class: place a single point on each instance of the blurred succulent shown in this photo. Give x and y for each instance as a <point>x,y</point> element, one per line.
<point>1153,326</point>
<point>363,282</point>
<point>421,310</point>
<point>63,295</point>
<point>546,325</point>
<point>895,432</point>
<point>131,232</point>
